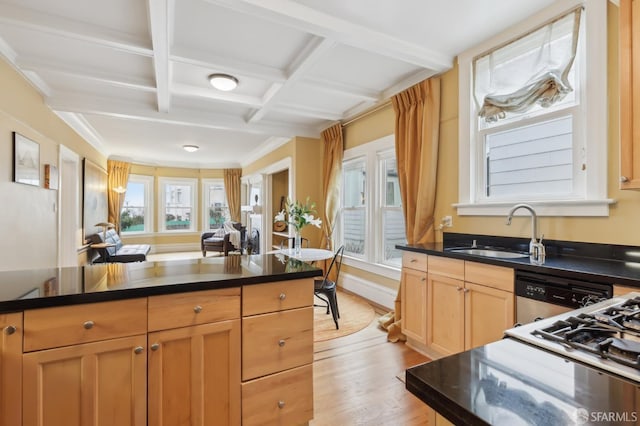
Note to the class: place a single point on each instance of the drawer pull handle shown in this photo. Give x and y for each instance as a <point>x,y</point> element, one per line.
<point>281,342</point>
<point>283,296</point>
<point>88,325</point>
<point>280,404</point>
<point>10,329</point>
<point>197,309</point>
<point>155,347</point>
<point>138,349</point>
<point>413,260</point>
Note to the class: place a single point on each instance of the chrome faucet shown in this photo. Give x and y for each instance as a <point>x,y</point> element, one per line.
<point>536,248</point>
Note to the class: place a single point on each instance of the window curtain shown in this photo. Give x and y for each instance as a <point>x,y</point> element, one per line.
<point>232,189</point>
<point>117,179</point>
<point>532,70</point>
<point>417,132</point>
<point>331,180</point>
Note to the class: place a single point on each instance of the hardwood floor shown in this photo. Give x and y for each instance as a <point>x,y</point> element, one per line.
<point>355,381</point>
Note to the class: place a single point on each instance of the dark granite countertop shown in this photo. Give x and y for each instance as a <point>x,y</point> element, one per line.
<point>39,288</point>
<point>510,383</point>
<point>604,263</point>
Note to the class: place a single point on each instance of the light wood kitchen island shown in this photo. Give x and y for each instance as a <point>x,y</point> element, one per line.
<point>158,343</point>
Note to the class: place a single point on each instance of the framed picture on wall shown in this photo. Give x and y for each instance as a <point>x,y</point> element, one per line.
<point>26,160</point>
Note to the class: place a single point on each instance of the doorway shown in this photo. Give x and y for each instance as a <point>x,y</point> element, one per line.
<point>69,229</point>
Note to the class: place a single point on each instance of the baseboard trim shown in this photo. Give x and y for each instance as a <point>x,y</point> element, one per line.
<point>380,295</point>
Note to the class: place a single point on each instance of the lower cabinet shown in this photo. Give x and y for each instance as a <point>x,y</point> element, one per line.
<point>277,353</point>
<point>10,369</point>
<point>468,304</point>
<point>99,383</point>
<point>194,375</point>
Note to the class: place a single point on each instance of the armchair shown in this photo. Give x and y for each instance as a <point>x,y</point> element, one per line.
<point>220,240</point>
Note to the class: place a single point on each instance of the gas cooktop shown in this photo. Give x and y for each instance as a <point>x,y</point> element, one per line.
<point>605,335</point>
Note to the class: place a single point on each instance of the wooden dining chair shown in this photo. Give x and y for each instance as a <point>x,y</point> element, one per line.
<point>325,289</point>
<point>304,242</point>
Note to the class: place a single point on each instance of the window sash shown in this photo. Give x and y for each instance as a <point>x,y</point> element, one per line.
<point>221,212</point>
<point>178,207</point>
<point>141,215</point>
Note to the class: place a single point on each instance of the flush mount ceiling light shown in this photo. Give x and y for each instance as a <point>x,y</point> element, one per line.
<point>224,82</point>
<point>190,148</point>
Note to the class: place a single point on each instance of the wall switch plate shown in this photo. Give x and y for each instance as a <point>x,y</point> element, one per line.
<point>447,221</point>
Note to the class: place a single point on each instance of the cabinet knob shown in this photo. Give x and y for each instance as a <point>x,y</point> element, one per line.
<point>138,350</point>
<point>413,260</point>
<point>282,296</point>
<point>10,329</point>
<point>281,342</point>
<point>88,325</point>
<point>155,346</point>
<point>465,290</point>
<point>281,404</point>
<point>459,288</point>
<point>423,279</point>
<point>197,309</point>
<point>624,179</point>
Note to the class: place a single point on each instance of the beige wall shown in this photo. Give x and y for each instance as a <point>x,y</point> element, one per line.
<point>29,216</point>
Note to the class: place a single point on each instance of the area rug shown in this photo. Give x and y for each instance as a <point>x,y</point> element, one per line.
<point>355,314</point>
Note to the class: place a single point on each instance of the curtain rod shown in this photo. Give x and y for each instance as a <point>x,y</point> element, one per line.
<point>367,112</point>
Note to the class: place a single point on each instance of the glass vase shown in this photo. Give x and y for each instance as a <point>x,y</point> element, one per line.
<point>297,243</point>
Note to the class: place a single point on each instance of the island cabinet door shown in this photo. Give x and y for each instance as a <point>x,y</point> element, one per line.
<point>194,375</point>
<point>90,384</point>
<point>10,369</point>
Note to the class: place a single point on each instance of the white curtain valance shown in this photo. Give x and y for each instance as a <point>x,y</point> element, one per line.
<point>532,70</point>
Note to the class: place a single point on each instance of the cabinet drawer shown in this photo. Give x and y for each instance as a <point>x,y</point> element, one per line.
<point>272,297</point>
<point>70,325</point>
<point>280,399</point>
<point>276,341</point>
<point>192,308</point>
<point>413,260</point>
<point>446,267</point>
<point>490,275</point>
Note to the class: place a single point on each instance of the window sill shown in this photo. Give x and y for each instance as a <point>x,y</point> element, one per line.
<point>595,208</point>
<point>375,268</point>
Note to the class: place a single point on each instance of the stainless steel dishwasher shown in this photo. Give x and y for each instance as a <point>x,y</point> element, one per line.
<point>541,295</point>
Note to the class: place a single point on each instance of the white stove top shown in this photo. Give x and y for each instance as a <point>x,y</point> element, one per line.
<point>526,334</point>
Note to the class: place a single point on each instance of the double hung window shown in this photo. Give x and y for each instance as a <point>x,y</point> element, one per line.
<point>371,221</point>
<point>216,208</point>
<point>177,204</point>
<point>136,214</point>
<point>533,116</point>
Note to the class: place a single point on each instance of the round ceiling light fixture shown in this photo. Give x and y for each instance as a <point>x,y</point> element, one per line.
<point>224,82</point>
<point>190,148</point>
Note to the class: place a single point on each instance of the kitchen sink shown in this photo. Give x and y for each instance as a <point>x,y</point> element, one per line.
<point>501,254</point>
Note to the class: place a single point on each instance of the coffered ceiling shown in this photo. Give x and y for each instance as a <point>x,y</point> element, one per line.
<point>130,76</point>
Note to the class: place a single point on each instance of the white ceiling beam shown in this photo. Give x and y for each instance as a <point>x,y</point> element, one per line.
<point>84,129</point>
<point>44,67</point>
<point>309,20</point>
<point>227,65</point>
<point>180,116</point>
<point>314,50</point>
<point>161,16</point>
<point>67,28</point>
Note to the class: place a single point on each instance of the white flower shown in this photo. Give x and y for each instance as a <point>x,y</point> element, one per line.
<point>280,216</point>
<point>311,221</point>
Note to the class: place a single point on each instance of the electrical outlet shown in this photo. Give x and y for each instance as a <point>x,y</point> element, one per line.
<point>447,221</point>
